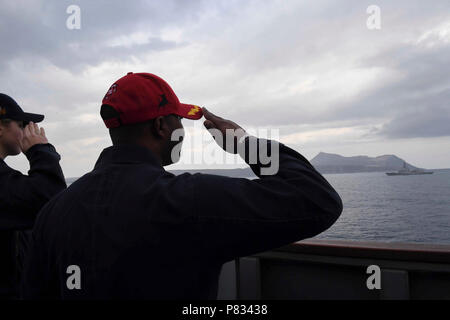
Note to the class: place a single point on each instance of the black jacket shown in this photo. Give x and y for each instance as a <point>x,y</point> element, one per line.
<point>21,198</point>
<point>137,231</point>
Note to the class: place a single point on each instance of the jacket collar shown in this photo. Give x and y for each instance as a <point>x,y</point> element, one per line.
<point>127,154</point>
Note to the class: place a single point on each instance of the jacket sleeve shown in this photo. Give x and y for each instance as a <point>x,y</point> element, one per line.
<point>238,217</point>
<point>39,277</point>
<point>26,194</point>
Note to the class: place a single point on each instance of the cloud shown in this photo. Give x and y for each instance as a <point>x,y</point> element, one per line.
<point>431,122</point>
<point>311,70</point>
<point>37,30</point>
<point>416,104</point>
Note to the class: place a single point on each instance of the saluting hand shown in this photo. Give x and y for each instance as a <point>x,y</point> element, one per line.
<point>32,135</point>
<point>223,130</point>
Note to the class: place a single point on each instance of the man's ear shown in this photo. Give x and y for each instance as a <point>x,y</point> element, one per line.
<point>159,127</point>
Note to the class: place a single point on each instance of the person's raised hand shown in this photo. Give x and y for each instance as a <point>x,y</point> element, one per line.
<point>225,132</point>
<point>32,135</point>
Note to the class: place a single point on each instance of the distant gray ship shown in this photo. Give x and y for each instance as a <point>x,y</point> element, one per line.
<point>407,172</point>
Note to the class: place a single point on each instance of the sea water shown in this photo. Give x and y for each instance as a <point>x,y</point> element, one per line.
<point>385,208</point>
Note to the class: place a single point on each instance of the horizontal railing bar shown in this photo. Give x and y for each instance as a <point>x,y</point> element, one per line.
<point>378,250</point>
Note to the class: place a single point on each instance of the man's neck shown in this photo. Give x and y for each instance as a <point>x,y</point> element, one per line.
<point>3,154</point>
<point>153,148</point>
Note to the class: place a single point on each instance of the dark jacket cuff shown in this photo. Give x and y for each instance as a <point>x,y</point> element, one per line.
<point>47,148</point>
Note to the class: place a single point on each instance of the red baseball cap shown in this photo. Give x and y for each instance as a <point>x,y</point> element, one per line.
<point>138,97</point>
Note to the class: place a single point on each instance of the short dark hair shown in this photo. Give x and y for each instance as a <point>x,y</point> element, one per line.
<point>124,134</point>
<point>132,133</point>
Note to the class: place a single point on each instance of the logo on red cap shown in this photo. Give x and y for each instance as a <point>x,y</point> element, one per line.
<point>111,90</point>
<point>194,110</point>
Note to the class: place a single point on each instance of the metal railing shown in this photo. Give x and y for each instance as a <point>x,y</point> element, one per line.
<point>329,269</point>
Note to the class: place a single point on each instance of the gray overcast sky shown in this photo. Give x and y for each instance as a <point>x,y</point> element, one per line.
<point>310,69</point>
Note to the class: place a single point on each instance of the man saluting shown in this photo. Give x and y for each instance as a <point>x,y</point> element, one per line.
<point>22,196</point>
<point>132,230</point>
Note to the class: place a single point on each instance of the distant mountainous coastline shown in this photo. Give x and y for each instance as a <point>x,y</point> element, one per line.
<point>327,163</point>
<point>323,162</point>
<point>334,163</point>
<point>234,173</point>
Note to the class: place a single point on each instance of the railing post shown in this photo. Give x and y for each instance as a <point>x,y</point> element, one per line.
<point>249,279</point>
<point>394,285</point>
<point>227,289</point>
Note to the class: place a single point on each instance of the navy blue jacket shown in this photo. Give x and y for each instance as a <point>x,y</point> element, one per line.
<point>138,231</point>
<point>21,198</point>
